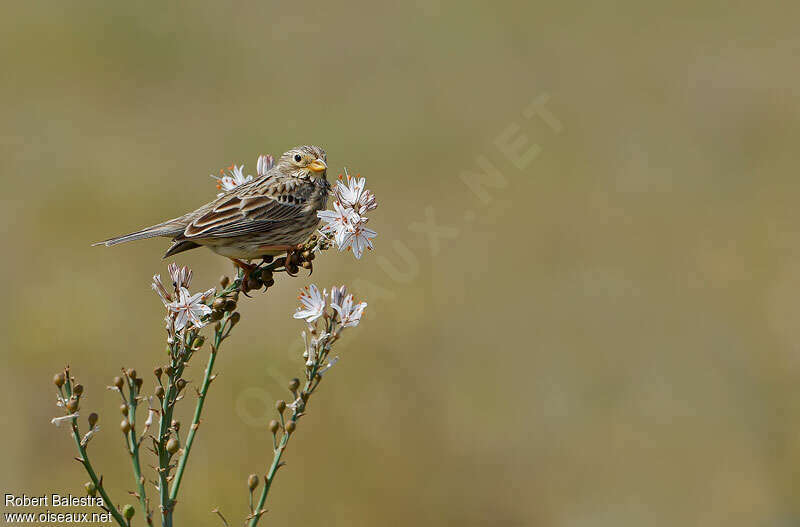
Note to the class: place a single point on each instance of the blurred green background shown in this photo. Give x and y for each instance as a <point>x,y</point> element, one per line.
<point>606,334</point>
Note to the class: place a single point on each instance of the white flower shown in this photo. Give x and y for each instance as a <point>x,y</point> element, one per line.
<point>339,222</point>
<point>58,420</point>
<point>349,314</point>
<point>313,303</point>
<point>346,223</point>
<point>350,192</point>
<point>328,366</point>
<point>159,288</point>
<point>265,162</point>
<point>190,308</point>
<point>181,276</point>
<point>232,179</point>
<point>338,294</point>
<point>89,434</point>
<point>358,239</point>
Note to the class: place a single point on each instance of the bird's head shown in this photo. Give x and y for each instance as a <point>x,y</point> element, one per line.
<point>304,162</point>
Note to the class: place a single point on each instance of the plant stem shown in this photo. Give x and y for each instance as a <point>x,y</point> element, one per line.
<point>168,404</point>
<point>197,412</point>
<point>276,460</point>
<point>133,449</point>
<point>87,465</point>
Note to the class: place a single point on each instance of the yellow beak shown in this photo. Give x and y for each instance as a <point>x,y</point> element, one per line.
<point>318,165</point>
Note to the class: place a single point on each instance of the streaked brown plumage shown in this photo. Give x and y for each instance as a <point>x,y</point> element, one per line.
<point>266,216</point>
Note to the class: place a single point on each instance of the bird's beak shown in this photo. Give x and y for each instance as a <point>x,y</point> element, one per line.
<point>318,165</point>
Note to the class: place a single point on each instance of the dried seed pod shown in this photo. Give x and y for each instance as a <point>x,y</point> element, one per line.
<point>92,419</point>
<point>77,390</point>
<point>131,373</point>
<point>157,372</point>
<point>224,281</point>
<point>172,445</point>
<point>176,425</point>
<point>230,305</point>
<point>280,405</point>
<point>59,379</point>
<point>269,283</point>
<point>180,384</point>
<point>266,274</point>
<point>294,384</point>
<point>117,381</point>
<point>159,391</point>
<point>169,370</point>
<point>72,405</point>
<point>290,426</point>
<point>218,304</point>
<point>138,382</point>
<point>274,426</point>
<point>123,408</point>
<point>252,482</point>
<point>125,426</point>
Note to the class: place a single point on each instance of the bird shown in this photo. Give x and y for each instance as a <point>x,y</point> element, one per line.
<point>265,217</point>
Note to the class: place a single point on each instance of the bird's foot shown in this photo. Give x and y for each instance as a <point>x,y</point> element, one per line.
<point>247,275</point>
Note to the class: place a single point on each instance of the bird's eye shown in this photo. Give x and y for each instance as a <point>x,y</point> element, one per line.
<point>297,158</point>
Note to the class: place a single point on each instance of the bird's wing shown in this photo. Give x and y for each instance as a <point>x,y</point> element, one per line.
<point>249,208</point>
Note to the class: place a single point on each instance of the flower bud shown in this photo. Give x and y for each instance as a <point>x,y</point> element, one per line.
<point>216,315</point>
<point>290,426</point>
<point>123,408</point>
<point>176,425</point>
<point>217,326</point>
<point>252,482</point>
<point>172,445</point>
<point>72,405</point>
<point>131,373</point>
<point>307,255</point>
<point>274,426</point>
<point>294,384</point>
<point>198,342</point>
<point>180,384</point>
<point>253,282</point>
<point>92,419</point>
<point>157,372</point>
<point>224,281</point>
<point>218,304</point>
<point>59,379</point>
<point>235,318</point>
<point>230,305</point>
<point>91,490</point>
<point>138,382</point>
<point>77,390</point>
<point>128,511</point>
<point>117,382</point>
<point>159,391</point>
<point>280,405</point>
<point>125,426</point>
<point>306,265</point>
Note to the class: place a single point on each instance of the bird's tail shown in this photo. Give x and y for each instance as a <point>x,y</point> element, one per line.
<point>168,228</point>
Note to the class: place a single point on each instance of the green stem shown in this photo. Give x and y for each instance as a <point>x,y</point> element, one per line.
<point>167,405</point>
<point>321,355</point>
<point>133,449</point>
<point>176,484</point>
